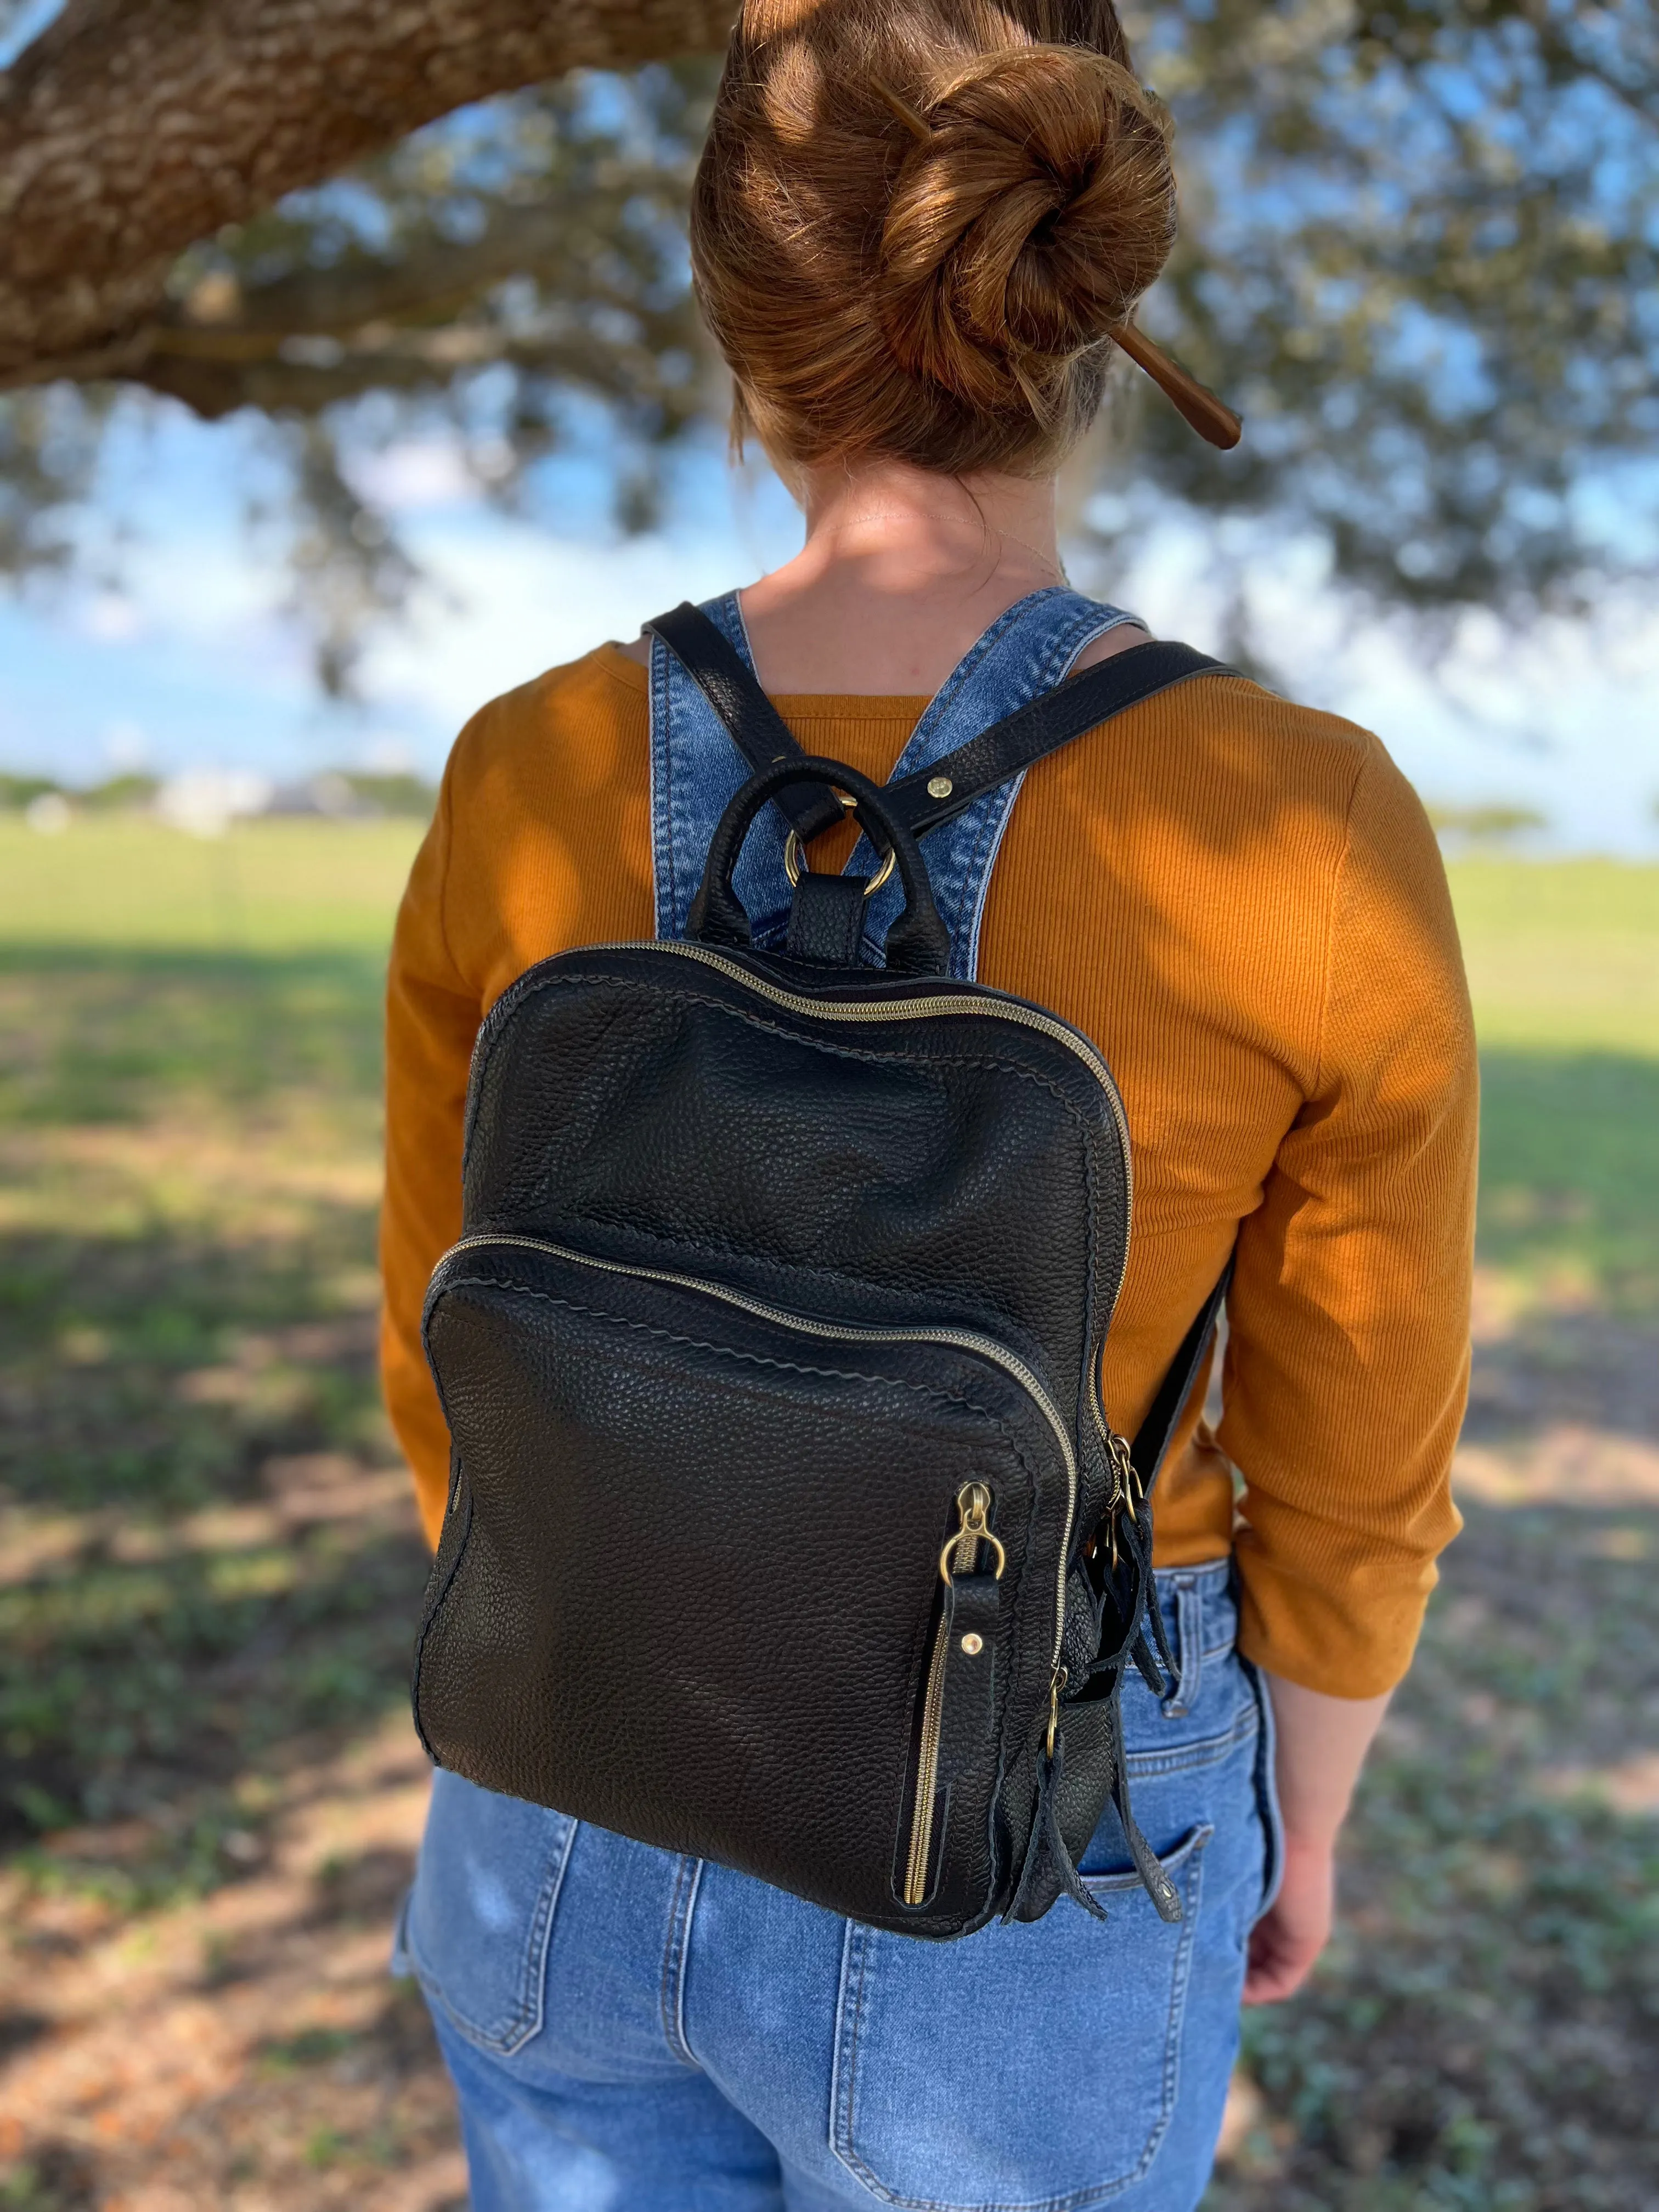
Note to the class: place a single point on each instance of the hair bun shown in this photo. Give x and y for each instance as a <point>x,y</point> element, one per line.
<point>1024,227</point>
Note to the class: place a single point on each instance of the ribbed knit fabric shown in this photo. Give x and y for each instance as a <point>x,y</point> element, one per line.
<point>1241,903</point>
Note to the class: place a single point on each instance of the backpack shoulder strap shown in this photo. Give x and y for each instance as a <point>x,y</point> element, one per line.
<point>1010,746</point>
<point>1005,749</point>
<point>759,731</point>
<point>1152,1438</point>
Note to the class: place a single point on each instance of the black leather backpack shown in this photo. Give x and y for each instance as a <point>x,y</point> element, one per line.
<point>785,1524</point>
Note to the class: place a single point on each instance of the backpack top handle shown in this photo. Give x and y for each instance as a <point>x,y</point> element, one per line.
<point>918,943</point>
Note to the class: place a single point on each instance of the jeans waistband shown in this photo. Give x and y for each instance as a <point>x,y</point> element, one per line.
<point>1203,1602</point>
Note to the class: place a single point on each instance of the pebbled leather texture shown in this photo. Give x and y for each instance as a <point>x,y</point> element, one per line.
<point>648,1104</point>
<point>826,920</point>
<point>689,1583</point>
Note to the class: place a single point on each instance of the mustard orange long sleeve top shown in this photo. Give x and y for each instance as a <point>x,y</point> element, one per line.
<point>1241,904</point>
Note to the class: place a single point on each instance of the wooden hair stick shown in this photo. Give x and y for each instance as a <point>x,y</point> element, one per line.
<point>1211,417</point>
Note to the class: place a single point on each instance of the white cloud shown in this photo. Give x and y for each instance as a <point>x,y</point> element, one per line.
<point>126,744</point>
<point>521,602</point>
<point>111,619</point>
<point>419,473</point>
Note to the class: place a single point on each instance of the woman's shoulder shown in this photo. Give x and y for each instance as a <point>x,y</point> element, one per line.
<point>1223,742</point>
<point>1274,805</point>
<point>571,717</point>
<point>1239,713</point>
<point>1306,757</point>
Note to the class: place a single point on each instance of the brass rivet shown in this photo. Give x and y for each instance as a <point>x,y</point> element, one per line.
<point>972,1645</point>
<point>939,786</point>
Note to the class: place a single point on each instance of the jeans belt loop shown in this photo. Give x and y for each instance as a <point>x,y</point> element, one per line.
<point>1188,1649</point>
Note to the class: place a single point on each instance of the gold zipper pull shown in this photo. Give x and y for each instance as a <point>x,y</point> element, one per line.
<point>1123,1468</point>
<point>1123,1487</point>
<point>977,1646</point>
<point>961,1552</point>
<point>1056,1684</point>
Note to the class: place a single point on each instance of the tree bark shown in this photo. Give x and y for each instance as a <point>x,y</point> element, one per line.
<point>131,128</point>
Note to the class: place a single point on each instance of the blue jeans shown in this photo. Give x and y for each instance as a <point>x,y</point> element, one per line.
<point>632,2032</point>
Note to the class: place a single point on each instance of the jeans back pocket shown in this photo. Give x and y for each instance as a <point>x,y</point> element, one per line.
<point>481,1911</point>
<point>1031,2066</point>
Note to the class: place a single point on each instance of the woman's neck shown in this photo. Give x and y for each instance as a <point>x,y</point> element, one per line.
<point>901,570</point>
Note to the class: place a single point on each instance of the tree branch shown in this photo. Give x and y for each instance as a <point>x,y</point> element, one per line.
<point>302,342</point>
<point>132,128</point>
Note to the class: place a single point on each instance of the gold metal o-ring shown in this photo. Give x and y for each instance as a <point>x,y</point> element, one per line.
<point>793,865</point>
<point>985,1537</point>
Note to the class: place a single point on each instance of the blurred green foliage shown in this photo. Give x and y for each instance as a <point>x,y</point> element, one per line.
<point>1485,823</point>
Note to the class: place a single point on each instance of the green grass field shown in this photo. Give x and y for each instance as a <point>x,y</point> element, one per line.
<point>1563,966</point>
<point>208,1568</point>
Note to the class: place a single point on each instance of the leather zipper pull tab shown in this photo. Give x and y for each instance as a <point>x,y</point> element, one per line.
<point>968,1718</point>
<point>961,1672</point>
<point>1049,1871</point>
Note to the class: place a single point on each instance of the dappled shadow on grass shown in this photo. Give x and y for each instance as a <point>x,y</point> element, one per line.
<point>1481,2034</point>
<point>155,1370</point>
<point>187,1315</point>
<point>1569,1177</point>
<point>1584,1368</point>
<point>207,1552</point>
<point>99,1037</point>
<point>209,1569</point>
<point>275,2056</point>
<point>156,1679</point>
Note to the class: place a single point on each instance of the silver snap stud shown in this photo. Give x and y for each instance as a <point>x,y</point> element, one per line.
<point>972,1645</point>
<point>939,786</point>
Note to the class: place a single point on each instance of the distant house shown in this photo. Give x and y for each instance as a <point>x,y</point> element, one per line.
<point>330,794</point>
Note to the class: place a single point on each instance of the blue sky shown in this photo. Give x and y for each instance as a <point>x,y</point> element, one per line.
<point>26,25</point>
<point>181,654</point>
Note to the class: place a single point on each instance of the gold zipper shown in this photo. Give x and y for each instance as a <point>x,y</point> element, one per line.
<point>1126,1483</point>
<point>960,1554</point>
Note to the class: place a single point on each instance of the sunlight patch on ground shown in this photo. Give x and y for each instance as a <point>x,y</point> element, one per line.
<point>1565,1465</point>
<point>1631,1786</point>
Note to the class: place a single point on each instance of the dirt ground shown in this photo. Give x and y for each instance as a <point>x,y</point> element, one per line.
<point>208,1568</point>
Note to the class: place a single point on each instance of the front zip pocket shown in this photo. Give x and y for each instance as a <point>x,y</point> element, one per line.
<point>699,1597</point>
<point>969,1640</point>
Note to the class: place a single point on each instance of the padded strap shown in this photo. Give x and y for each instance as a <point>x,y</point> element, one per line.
<point>1152,1437</point>
<point>941,791</point>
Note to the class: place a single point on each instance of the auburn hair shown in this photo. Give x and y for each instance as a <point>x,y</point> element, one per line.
<point>916,223</point>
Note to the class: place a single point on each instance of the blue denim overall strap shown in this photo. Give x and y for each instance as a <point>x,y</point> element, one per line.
<point>696,768</point>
